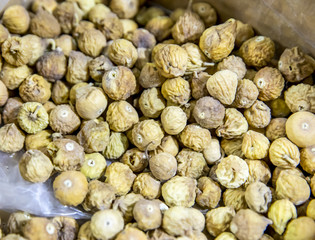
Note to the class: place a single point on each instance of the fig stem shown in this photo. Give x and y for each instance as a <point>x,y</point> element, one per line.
<point>190,2</point>
<point>146,151</point>
<point>33,115</point>
<point>208,64</point>
<point>289,160</point>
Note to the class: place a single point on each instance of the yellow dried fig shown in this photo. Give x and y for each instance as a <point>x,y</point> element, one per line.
<point>195,137</point>
<point>191,164</point>
<point>121,116</point>
<point>92,42</point>
<point>276,128</point>
<point>35,88</point>
<point>171,60</point>
<point>122,52</point>
<point>16,19</point>
<point>279,108</point>
<point>295,65</point>
<point>70,188</point>
<point>176,91</point>
<point>120,176</point>
<point>67,227</point>
<point>232,171</point>
<point>39,141</point>
<point>67,44</point>
<point>173,120</point>
<point>283,153</point>
<point>258,197</point>
<point>117,146</point>
<point>4,94</point>
<point>11,138</point>
<point>60,92</point>
<point>130,233</point>
<point>255,145</point>
<point>151,103</point>
<point>63,119</point>
<point>213,152</point>
<point>93,166</point>
<point>292,187</point>
<point>206,12</point>
<point>4,34</point>
<point>300,228</point>
<point>269,82</point>
<point>198,85</point>
<point>13,76</point>
<point>234,126</point>
<point>281,212</point>
<point>147,134</point>
<point>246,94</point>
<point>90,102</point>
<point>217,42</point>
<point>135,159</point>
<point>125,8</point>
<point>48,5</point>
<point>98,13</point>
<point>66,154</point>
<point>235,198</point>
<point>105,224</point>
<point>188,28</point>
<point>40,228</point>
<point>78,67</point>
<point>222,85</point>
<point>218,220</point>
<point>208,193</point>
<point>146,14</point>
<point>160,27</point>
<point>45,25</point>
<point>147,185</point>
<point>99,197</point>
<point>308,159</point>
<point>258,172</point>
<point>300,98</point>
<point>258,115</point>
<point>94,135</point>
<point>35,166</point>
<point>178,221</point>
<point>68,15</point>
<point>17,51</point>
<point>163,166</point>
<point>248,224</point>
<point>32,117</point>
<point>257,51</point>
<point>179,191</point>
<point>98,66</point>
<point>111,26</point>
<point>119,83</point>
<point>234,64</point>
<point>300,128</point>
<point>244,32</point>
<point>52,65</point>
<point>147,214</point>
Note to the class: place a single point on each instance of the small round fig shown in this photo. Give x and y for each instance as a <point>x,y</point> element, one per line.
<point>70,188</point>
<point>163,166</point>
<point>300,128</point>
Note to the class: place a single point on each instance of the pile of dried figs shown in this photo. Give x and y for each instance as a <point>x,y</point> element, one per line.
<point>162,125</point>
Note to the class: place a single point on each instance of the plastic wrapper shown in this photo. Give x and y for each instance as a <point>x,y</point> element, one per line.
<point>35,198</point>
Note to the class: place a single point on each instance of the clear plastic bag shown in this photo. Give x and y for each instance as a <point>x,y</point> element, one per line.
<point>35,198</point>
